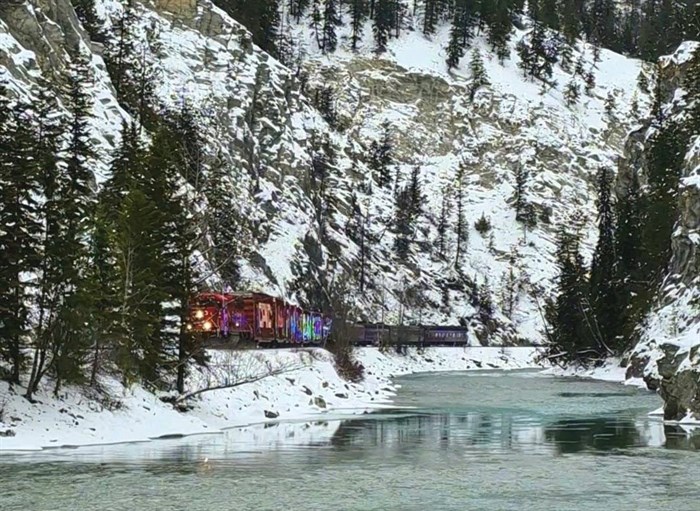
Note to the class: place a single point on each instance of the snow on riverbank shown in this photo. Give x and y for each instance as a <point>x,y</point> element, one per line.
<point>308,387</point>
<point>613,371</point>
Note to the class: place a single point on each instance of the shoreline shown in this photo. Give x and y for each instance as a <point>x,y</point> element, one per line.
<point>311,389</point>
<point>611,371</point>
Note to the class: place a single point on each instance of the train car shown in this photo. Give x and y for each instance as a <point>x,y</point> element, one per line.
<point>255,317</point>
<point>209,315</point>
<point>445,336</point>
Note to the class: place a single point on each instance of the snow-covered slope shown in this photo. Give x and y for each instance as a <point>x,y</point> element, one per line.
<point>511,124</point>
<point>668,352</point>
<point>258,119</point>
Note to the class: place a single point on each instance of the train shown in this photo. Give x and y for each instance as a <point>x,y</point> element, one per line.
<point>255,317</point>
<point>267,321</point>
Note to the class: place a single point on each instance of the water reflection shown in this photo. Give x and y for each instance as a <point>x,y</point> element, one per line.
<point>401,432</point>
<point>597,433</point>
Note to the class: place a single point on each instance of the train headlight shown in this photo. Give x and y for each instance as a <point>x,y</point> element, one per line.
<point>207,326</point>
<point>199,314</point>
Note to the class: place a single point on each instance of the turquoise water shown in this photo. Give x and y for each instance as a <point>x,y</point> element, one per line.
<point>457,441</point>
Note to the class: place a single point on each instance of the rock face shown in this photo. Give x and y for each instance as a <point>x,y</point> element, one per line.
<point>667,355</point>
<point>185,8</point>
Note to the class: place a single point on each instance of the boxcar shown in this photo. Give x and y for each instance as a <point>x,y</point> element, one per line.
<point>256,317</point>
<point>445,336</point>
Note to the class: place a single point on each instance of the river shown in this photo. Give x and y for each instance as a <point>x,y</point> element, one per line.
<point>496,441</point>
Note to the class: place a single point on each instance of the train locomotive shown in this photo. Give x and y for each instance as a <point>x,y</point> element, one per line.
<point>255,317</point>
<point>267,321</point>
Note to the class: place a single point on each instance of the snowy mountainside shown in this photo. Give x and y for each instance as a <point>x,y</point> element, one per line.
<point>668,352</point>
<point>260,121</point>
<point>511,124</point>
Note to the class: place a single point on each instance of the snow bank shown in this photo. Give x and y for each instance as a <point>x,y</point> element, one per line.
<point>308,387</point>
<point>613,371</point>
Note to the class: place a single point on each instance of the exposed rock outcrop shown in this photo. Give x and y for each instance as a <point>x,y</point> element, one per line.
<point>668,353</point>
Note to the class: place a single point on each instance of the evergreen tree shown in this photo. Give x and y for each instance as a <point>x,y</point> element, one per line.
<point>569,314</point>
<point>462,225</point>
<point>571,14</point>
<point>478,74</point>
<point>572,92</point>
<point>384,17</point>
<point>604,22</point>
<point>610,106</point>
<point>85,10</point>
<point>76,205</point>
<point>20,228</point>
<point>430,16</point>
<point>497,16</point>
<point>324,101</point>
<point>331,20</point>
<point>538,53</point>
<point>461,32</point>
<point>381,157</point>
<point>628,248</point>
<point>359,11</point>
<point>120,50</point>
<point>409,201</point>
<point>51,167</point>
<point>442,226</point>
<point>297,8</point>
<point>603,287</point>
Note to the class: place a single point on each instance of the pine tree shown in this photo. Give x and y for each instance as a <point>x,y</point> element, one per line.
<point>572,93</point>
<point>628,247</point>
<point>497,16</point>
<point>409,201</point>
<point>442,226</point>
<point>610,106</point>
<point>571,13</point>
<point>297,8</point>
<point>477,74</point>
<point>76,205</point>
<point>460,33</point>
<point>381,157</point>
<point>643,81</point>
<point>602,281</point>
<point>462,225</point>
<point>324,101</point>
<point>604,22</point>
<point>120,50</point>
<point>359,11</point>
<point>331,20</point>
<point>569,314</point>
<point>430,16</point>
<point>49,132</point>
<point>20,228</point>
<point>538,53</point>
<point>85,10</point>
<point>521,179</point>
<point>384,21</point>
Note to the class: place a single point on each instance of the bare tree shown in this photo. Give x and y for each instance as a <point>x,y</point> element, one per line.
<point>234,368</point>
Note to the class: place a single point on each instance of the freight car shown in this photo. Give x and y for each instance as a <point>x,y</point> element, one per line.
<point>254,317</point>
<point>378,334</point>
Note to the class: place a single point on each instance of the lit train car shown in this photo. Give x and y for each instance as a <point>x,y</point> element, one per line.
<point>255,317</point>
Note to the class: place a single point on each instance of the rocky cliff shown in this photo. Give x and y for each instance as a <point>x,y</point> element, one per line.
<point>261,122</point>
<point>668,353</point>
